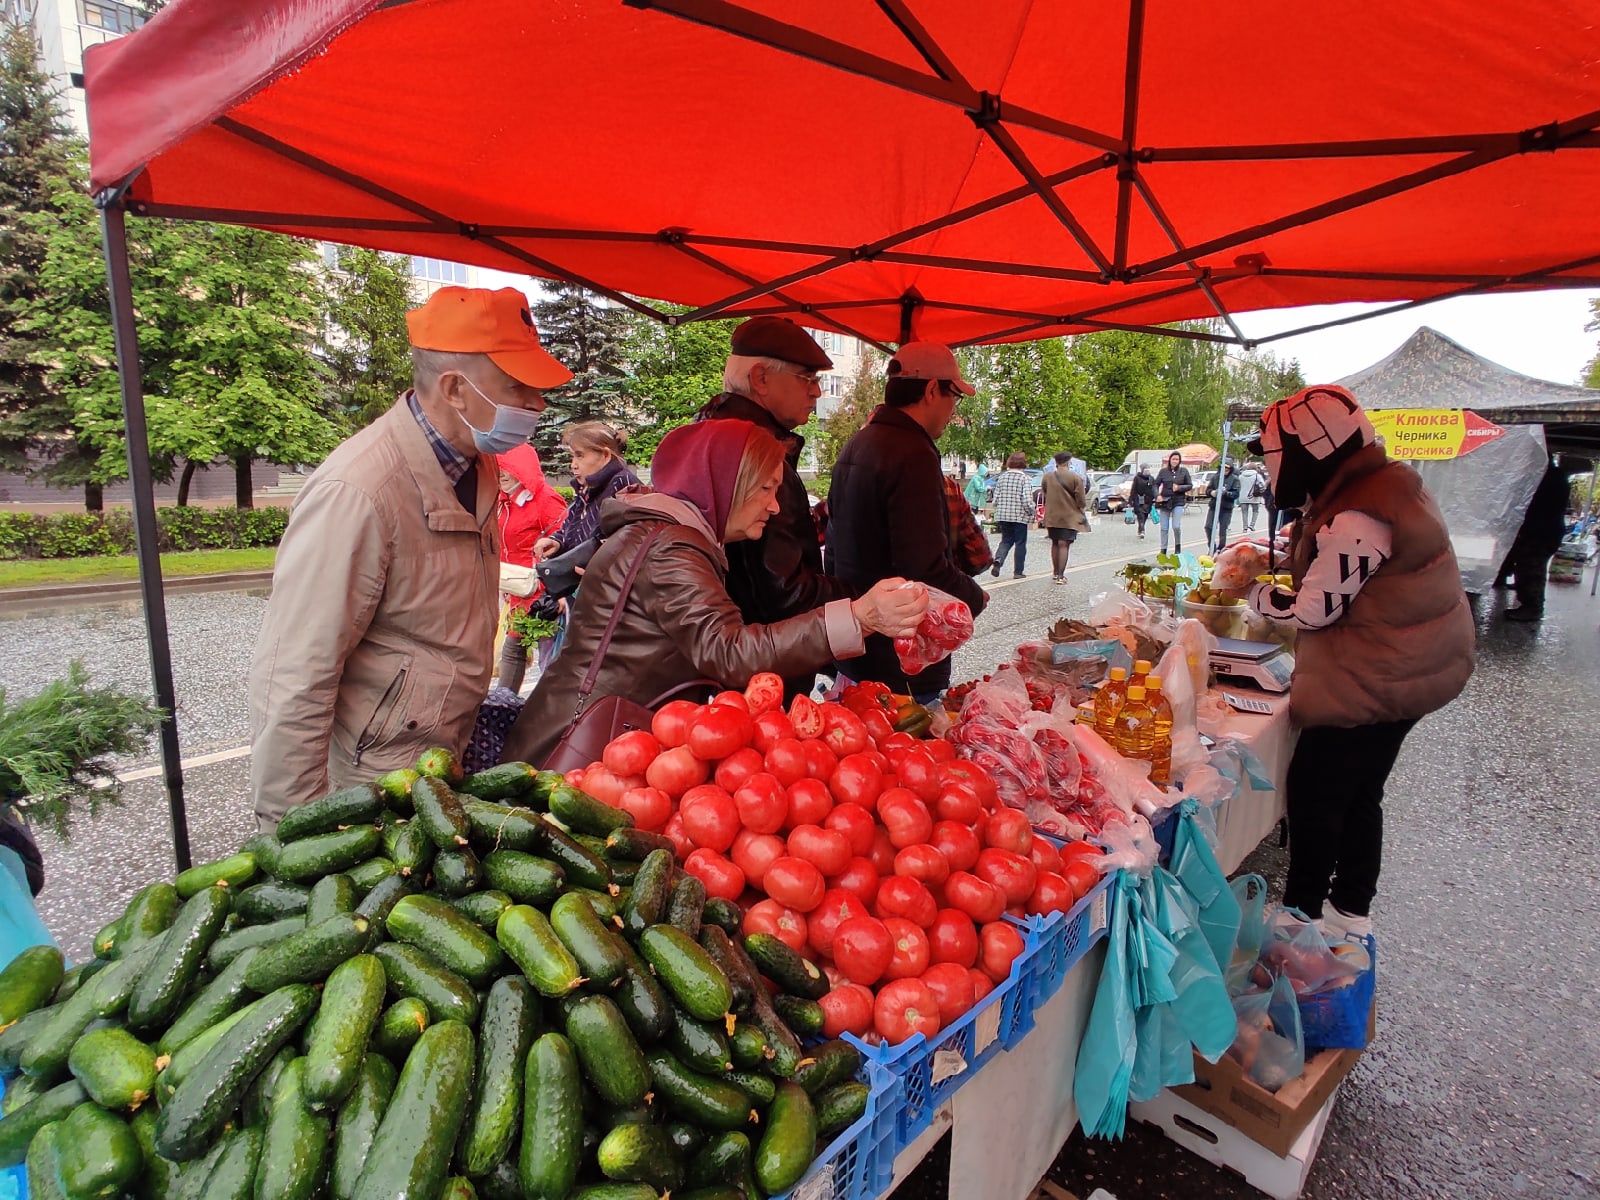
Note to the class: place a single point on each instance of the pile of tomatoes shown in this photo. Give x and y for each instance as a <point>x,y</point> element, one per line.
<point>887,860</point>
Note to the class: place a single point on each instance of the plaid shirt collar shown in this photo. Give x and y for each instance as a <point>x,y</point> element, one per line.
<point>454,463</point>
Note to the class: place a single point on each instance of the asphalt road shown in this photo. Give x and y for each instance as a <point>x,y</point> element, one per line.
<point>1484,1081</point>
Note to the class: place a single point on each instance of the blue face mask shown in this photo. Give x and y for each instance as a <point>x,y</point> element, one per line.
<point>512,426</point>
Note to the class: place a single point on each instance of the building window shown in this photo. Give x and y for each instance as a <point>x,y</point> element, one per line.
<point>109,15</point>
<point>438,271</point>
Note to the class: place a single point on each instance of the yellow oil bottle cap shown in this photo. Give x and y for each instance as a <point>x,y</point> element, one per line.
<point>1136,692</point>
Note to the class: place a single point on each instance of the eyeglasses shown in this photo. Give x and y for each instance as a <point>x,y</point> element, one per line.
<point>803,375</point>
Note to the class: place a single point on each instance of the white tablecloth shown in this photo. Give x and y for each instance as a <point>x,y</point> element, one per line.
<point>1248,816</point>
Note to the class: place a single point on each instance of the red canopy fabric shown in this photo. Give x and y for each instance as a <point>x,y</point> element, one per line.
<point>988,171</point>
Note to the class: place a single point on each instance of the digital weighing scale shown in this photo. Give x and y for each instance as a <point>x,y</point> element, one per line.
<point>1265,664</point>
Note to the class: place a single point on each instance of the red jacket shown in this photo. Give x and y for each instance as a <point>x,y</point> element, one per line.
<point>535,511</point>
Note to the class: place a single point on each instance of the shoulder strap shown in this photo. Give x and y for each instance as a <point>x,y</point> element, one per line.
<point>587,686</point>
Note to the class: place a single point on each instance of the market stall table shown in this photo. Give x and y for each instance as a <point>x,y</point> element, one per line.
<point>1251,813</point>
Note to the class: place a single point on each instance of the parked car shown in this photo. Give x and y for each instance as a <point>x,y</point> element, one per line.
<point>1111,491</point>
<point>1203,483</point>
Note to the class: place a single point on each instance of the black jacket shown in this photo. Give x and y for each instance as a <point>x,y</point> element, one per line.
<point>1227,492</point>
<point>1172,487</point>
<point>1143,493</point>
<point>886,519</point>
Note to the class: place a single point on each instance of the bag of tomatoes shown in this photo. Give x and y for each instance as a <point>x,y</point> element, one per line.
<point>945,627</point>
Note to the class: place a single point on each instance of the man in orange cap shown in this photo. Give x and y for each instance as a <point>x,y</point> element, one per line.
<point>378,638</point>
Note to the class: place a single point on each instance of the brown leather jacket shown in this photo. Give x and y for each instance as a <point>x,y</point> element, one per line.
<point>679,625</point>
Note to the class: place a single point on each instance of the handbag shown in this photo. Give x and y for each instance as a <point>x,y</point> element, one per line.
<point>562,574</point>
<point>517,580</point>
<point>594,726</point>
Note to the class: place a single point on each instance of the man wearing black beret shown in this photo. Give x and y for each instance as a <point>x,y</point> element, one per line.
<point>771,380</point>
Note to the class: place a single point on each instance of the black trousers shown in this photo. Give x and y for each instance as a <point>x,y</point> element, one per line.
<point>1335,800</point>
<point>1531,567</point>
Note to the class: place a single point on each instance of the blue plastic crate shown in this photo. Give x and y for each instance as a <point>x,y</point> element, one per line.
<point>1067,938</point>
<point>859,1163</point>
<point>1338,1019</point>
<point>13,1180</point>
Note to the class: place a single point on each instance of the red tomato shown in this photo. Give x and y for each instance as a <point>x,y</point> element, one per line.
<point>826,849</point>
<point>961,771</point>
<point>719,730</point>
<point>670,725</point>
<point>1079,850</point>
<point>788,926</point>
<point>860,878</point>
<point>681,845</point>
<point>806,716</point>
<point>837,907</point>
<point>754,853</point>
<point>820,761</point>
<point>794,883</point>
<point>574,777</point>
<point>957,843</point>
<point>911,950</point>
<point>846,1009</point>
<point>877,725</point>
<point>905,817</point>
<point>1008,829</point>
<point>710,817</point>
<point>857,780</point>
<point>764,693</point>
<point>951,986</point>
<point>1043,855</point>
<point>604,784</point>
<point>982,985</point>
<point>941,750</point>
<point>953,938</point>
<point>902,896</point>
<point>923,862</point>
<point>1082,877</point>
<point>738,767</point>
<point>675,771</point>
<point>842,730</point>
<point>1051,893</point>
<point>999,943</point>
<point>862,948</point>
<point>958,802</point>
<point>762,805</point>
<point>786,760</point>
<point>882,853</point>
<point>1011,873</point>
<point>630,753</point>
<point>649,807</point>
<point>808,803</point>
<point>855,823</point>
<point>978,898</point>
<point>919,774</point>
<point>721,877</point>
<point>731,699</point>
<point>771,728</point>
<point>896,745</point>
<point>904,1007</point>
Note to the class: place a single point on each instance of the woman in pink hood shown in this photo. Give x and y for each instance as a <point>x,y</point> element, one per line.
<point>530,509</point>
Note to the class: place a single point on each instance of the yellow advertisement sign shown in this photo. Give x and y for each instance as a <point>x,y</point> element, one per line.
<point>1432,433</point>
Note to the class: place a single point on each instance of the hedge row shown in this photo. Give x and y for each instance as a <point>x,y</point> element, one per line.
<point>82,535</point>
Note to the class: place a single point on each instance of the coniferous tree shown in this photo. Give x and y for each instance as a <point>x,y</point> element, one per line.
<point>590,336</point>
<point>673,371</point>
<point>365,345</point>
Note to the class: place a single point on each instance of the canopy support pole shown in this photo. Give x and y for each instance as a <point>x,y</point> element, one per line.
<point>908,312</point>
<point>114,236</point>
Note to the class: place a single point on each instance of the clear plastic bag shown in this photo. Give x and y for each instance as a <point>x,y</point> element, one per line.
<point>1239,564</point>
<point>945,627</point>
<point>1270,1044</point>
<point>1295,949</point>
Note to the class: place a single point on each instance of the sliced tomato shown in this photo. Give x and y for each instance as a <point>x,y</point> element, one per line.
<point>806,717</point>
<point>764,693</point>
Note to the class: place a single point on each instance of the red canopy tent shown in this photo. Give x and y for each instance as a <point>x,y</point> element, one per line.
<point>958,172</point>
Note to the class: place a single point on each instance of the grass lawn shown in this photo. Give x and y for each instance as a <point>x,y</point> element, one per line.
<point>34,572</point>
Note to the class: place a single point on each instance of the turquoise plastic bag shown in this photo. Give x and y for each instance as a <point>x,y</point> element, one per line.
<point>1201,1009</point>
<point>1106,1054</point>
<point>20,926</point>
<point>1196,867</point>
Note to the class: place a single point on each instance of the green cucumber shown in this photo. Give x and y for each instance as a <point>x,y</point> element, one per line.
<point>715,1191</point>
<point>805,1017</point>
<point>327,853</point>
<point>502,1183</point>
<point>76,977</point>
<point>296,1146</point>
<point>233,1175</point>
<point>456,872</point>
<point>526,936</point>
<point>482,908</point>
<point>116,1068</point>
<point>234,871</point>
<point>789,1141</point>
<point>149,914</point>
<point>411,849</point>
<point>98,1154</point>
<point>110,991</point>
<point>28,982</point>
<point>552,1120</point>
<point>228,947</point>
<point>21,1089</point>
<point>440,763</point>
<point>194,1051</point>
<point>410,1154</point>
<point>701,1046</point>
<point>224,994</point>
<point>582,867</point>
<point>193,1176</point>
<point>612,1061</point>
<point>524,877</point>
<point>432,925</point>
<point>748,1046</point>
<point>440,813</point>
<point>689,973</point>
<point>44,1164</point>
<point>271,900</point>
<point>506,1032</point>
<point>827,1065</point>
<point>709,1103</point>
<point>377,904</point>
<point>597,948</point>
<point>687,904</point>
<point>742,981</point>
<point>616,1191</point>
<point>371,873</point>
<point>265,847</point>
<point>651,889</point>
<point>506,781</point>
<point>352,1000</point>
<point>498,827</point>
<point>359,805</point>
<point>414,972</point>
<point>606,906</point>
<point>633,845</point>
<point>357,1123</point>
<point>18,1127</point>
<point>786,967</point>
<point>643,1001</point>
<point>330,896</point>
<point>841,1106</point>
<point>582,813</point>
<point>760,1088</point>
<point>594,845</point>
<point>641,1154</point>
<point>623,873</point>
<point>401,1024</point>
<point>724,1158</point>
<point>159,1179</point>
<point>255,1110</point>
<point>687,1137</point>
<point>212,1089</point>
<point>458,1187</point>
<point>105,941</point>
<point>45,1054</point>
<point>396,788</point>
<point>724,914</point>
<point>307,956</point>
<point>787,1053</point>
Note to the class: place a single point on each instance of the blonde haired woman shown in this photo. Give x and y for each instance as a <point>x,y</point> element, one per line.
<point>715,482</point>
<point>599,472</point>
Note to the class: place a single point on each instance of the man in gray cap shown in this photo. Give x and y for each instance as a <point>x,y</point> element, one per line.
<point>771,380</point>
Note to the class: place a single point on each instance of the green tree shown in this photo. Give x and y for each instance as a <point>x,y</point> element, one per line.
<point>675,370</point>
<point>1030,397</point>
<point>591,337</point>
<point>1197,379</point>
<point>1260,377</point>
<point>1591,374</point>
<point>855,407</point>
<point>365,346</point>
<point>1123,374</point>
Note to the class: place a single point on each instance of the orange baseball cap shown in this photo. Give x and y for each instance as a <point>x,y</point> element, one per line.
<point>477,321</point>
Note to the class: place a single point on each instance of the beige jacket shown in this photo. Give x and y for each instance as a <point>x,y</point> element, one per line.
<point>378,637</point>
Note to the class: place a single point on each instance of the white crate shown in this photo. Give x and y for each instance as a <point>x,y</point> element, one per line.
<point>1221,1144</point>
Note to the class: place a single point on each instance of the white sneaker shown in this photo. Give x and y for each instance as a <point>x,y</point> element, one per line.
<point>1338,925</point>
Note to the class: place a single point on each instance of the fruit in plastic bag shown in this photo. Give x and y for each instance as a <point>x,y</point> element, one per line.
<point>945,627</point>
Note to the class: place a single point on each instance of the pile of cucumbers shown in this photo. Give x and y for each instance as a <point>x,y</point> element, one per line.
<point>425,987</point>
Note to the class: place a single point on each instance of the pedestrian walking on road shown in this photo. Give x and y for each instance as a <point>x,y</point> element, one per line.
<point>1543,527</point>
<point>1014,509</point>
<point>1252,488</point>
<point>1173,486</point>
<point>1142,497</point>
<point>1219,508</point>
<point>1066,504</point>
<point>977,491</point>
